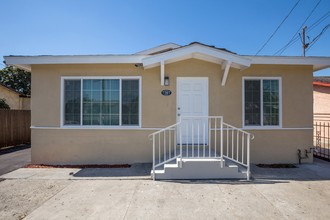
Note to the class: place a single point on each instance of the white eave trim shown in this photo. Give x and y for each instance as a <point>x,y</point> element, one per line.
<point>190,52</point>
<point>25,62</point>
<point>318,63</point>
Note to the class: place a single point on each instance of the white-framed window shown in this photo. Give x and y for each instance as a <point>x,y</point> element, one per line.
<point>101,101</point>
<point>262,102</point>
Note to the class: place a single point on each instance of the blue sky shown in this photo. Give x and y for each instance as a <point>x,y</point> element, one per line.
<point>61,27</point>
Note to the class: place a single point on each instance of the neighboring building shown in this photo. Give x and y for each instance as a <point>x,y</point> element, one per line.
<point>321,86</point>
<point>14,99</point>
<point>101,109</point>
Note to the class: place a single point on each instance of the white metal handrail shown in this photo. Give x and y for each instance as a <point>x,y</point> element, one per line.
<point>201,137</point>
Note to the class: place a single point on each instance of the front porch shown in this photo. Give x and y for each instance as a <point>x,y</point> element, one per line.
<point>201,148</point>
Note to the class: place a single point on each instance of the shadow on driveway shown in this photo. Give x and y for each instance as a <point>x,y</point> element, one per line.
<point>14,149</point>
<point>318,171</point>
<point>14,158</point>
<point>141,170</point>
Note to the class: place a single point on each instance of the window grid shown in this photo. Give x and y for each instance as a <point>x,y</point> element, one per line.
<point>120,113</point>
<point>276,83</point>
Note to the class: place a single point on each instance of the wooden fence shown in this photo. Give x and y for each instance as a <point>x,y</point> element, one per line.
<point>14,127</point>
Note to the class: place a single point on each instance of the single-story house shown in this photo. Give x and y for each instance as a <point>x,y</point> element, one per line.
<point>14,99</point>
<point>171,102</point>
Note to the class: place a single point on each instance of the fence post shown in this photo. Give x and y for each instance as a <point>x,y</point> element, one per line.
<point>153,157</point>
<point>248,158</point>
<point>221,143</point>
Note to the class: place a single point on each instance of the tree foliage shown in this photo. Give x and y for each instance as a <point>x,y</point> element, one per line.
<point>3,104</point>
<point>17,79</point>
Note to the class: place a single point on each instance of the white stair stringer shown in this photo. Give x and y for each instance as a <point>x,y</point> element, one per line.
<point>200,168</point>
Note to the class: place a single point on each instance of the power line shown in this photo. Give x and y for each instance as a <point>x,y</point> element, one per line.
<point>294,40</point>
<point>317,37</point>
<point>299,28</point>
<point>278,28</point>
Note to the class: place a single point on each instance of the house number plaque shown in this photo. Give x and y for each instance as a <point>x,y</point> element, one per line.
<point>166,92</point>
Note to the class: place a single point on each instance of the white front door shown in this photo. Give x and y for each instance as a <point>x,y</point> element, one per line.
<point>192,102</point>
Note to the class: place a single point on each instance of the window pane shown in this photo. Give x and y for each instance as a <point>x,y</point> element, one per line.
<point>130,102</point>
<point>72,102</point>
<point>252,102</point>
<point>101,101</point>
<point>271,102</point>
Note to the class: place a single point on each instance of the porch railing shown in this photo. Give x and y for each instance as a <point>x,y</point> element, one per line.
<point>201,137</point>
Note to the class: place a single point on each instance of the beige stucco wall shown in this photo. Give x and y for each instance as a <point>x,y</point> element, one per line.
<point>113,146</point>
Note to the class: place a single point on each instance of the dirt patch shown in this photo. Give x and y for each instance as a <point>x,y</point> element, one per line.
<point>276,165</point>
<point>78,166</point>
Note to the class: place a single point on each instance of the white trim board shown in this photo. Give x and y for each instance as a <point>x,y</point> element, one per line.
<point>94,128</point>
<point>147,129</point>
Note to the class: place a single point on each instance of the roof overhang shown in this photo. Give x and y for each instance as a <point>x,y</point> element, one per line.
<point>176,53</point>
<point>318,63</point>
<point>25,62</point>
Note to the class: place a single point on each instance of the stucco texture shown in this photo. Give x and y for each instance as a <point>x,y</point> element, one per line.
<point>56,145</point>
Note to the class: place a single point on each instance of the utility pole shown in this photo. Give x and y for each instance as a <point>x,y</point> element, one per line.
<point>304,45</point>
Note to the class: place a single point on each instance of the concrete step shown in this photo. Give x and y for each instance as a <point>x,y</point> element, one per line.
<point>200,168</point>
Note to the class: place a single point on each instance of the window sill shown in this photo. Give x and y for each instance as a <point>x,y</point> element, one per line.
<point>101,127</point>
<point>262,127</point>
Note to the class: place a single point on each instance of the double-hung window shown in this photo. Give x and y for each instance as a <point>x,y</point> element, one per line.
<point>262,102</point>
<point>101,101</point>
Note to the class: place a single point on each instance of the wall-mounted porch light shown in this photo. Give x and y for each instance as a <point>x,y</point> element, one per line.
<point>166,81</point>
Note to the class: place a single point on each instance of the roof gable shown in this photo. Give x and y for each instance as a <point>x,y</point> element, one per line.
<point>197,51</point>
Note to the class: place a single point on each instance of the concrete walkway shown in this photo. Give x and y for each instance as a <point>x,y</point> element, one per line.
<point>297,193</point>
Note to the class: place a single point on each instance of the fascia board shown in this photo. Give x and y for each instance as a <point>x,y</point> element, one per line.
<point>98,59</point>
<point>181,52</point>
<point>291,60</point>
<point>318,63</point>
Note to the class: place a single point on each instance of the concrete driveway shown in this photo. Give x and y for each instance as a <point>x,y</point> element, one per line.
<point>297,193</point>
<point>14,158</point>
